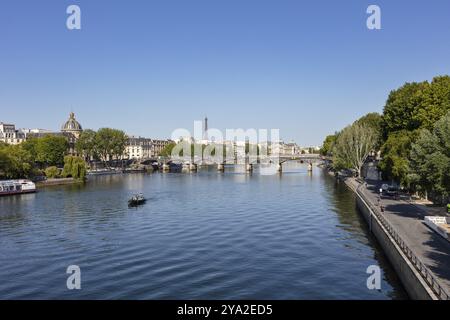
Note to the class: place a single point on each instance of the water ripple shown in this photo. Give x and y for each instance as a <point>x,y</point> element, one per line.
<point>200,236</point>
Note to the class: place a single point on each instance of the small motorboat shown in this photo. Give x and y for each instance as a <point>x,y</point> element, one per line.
<point>136,200</point>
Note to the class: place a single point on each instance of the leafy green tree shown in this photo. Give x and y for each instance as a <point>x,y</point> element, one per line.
<point>328,144</point>
<point>52,172</point>
<point>110,143</point>
<point>119,141</point>
<point>15,162</point>
<point>5,162</point>
<point>30,145</point>
<point>79,169</point>
<point>430,160</point>
<point>353,146</point>
<point>409,109</point>
<point>416,105</point>
<point>375,121</point>
<point>86,144</point>
<point>67,170</point>
<point>395,156</point>
<point>74,167</point>
<point>50,150</point>
<point>400,107</point>
<point>167,151</point>
<point>435,102</point>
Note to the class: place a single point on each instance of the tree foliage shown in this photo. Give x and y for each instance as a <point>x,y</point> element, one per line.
<point>373,120</point>
<point>110,143</point>
<point>48,150</point>
<point>52,172</point>
<point>395,151</point>
<point>74,167</point>
<point>416,105</point>
<point>15,162</point>
<point>430,160</point>
<point>86,144</point>
<point>328,144</point>
<point>106,144</point>
<point>167,150</point>
<point>353,145</point>
<point>409,111</point>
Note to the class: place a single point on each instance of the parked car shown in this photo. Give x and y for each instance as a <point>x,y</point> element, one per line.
<point>392,192</point>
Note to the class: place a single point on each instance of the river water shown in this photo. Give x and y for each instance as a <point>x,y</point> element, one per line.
<point>206,235</point>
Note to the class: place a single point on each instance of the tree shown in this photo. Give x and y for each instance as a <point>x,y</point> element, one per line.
<point>408,110</point>
<point>30,145</point>
<point>353,146</point>
<point>67,170</point>
<point>50,150</point>
<point>79,169</point>
<point>74,167</point>
<point>15,162</point>
<point>5,162</point>
<point>110,143</point>
<point>430,160</point>
<point>119,141</point>
<point>395,156</point>
<point>328,144</point>
<point>416,105</point>
<point>86,144</point>
<point>400,107</point>
<point>167,151</point>
<point>375,121</point>
<point>52,172</point>
<point>435,102</point>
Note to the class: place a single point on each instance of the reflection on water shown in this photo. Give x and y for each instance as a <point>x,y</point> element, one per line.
<point>206,235</point>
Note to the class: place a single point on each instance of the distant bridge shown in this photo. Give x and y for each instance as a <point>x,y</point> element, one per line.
<point>302,158</point>
<point>192,163</point>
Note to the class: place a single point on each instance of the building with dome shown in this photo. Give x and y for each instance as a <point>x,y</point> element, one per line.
<point>72,126</point>
<point>72,130</point>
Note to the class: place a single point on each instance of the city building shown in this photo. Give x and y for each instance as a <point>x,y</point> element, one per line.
<point>138,148</point>
<point>10,135</point>
<point>310,150</point>
<point>71,129</point>
<point>290,149</point>
<point>159,145</point>
<point>31,132</point>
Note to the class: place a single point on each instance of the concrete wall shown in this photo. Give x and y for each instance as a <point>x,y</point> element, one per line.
<point>413,282</point>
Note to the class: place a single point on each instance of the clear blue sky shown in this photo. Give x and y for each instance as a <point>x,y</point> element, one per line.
<point>148,67</point>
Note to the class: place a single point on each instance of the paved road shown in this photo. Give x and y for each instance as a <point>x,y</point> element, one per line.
<point>427,245</point>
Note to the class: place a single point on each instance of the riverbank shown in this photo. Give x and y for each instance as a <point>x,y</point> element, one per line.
<point>57,182</point>
<point>419,255</point>
<point>66,181</point>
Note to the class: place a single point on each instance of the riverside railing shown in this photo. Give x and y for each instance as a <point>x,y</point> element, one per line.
<point>415,261</point>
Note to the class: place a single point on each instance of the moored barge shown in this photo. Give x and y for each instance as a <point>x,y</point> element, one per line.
<point>11,187</point>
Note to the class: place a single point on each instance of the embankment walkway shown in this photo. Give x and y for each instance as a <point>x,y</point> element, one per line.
<point>431,249</point>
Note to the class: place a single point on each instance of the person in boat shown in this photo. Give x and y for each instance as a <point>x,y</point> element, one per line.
<point>138,198</point>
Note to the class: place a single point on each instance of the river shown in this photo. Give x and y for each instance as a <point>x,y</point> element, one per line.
<point>204,235</point>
